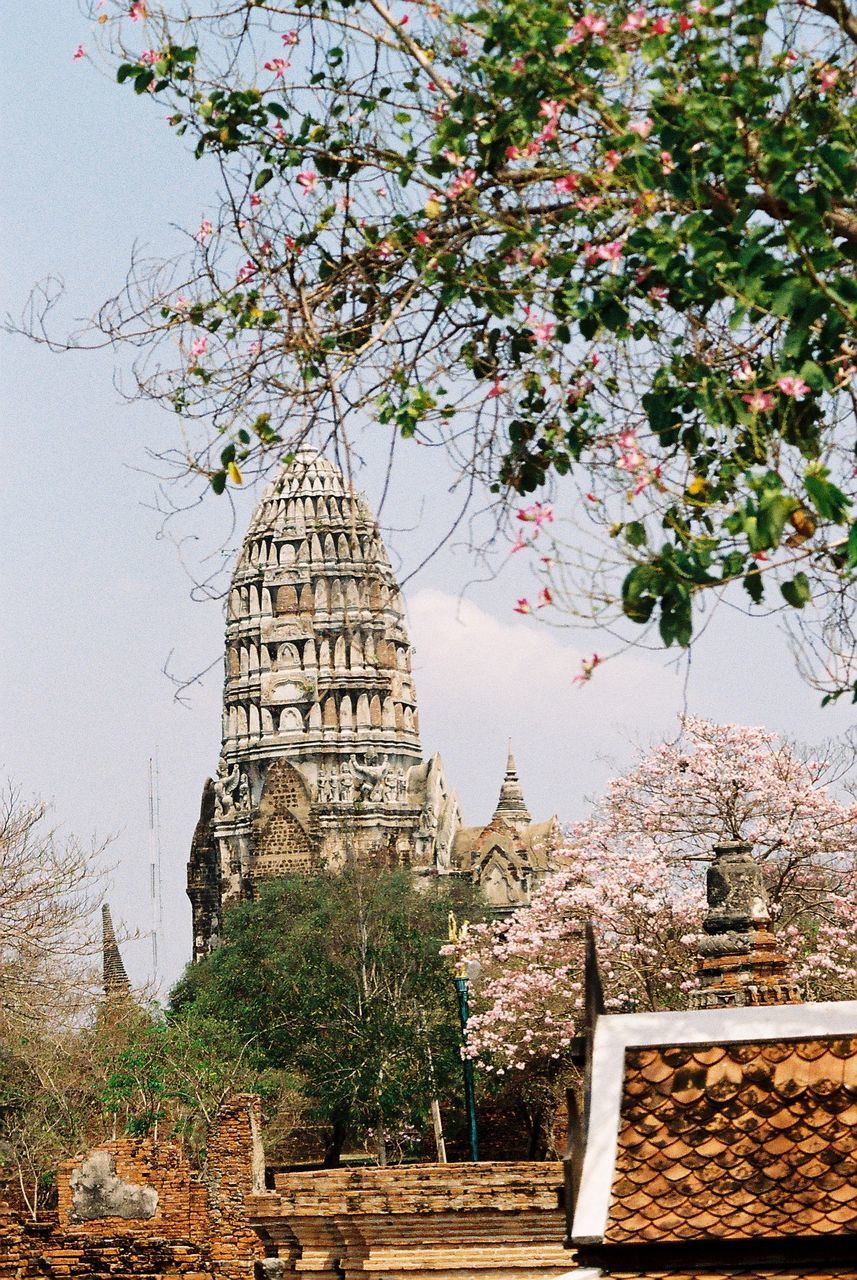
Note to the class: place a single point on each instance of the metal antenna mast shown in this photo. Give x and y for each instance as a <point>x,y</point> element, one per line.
<point>155,859</point>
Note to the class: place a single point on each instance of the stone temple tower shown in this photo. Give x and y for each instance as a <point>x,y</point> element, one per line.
<point>321,760</point>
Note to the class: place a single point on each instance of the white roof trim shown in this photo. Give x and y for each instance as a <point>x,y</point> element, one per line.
<point>614,1033</point>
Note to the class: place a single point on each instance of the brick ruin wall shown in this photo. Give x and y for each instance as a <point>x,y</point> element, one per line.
<point>137,1208</point>
<point>134,1209</point>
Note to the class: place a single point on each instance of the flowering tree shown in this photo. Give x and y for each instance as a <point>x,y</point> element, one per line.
<point>635,869</point>
<point>612,242</point>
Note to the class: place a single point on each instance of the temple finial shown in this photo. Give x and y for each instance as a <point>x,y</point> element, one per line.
<point>115,978</point>
<point>511,805</point>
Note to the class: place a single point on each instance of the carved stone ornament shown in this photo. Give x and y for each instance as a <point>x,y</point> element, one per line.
<point>737,899</point>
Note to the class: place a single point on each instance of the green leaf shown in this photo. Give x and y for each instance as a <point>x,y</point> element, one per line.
<point>852,546</point>
<point>263,177</point>
<point>218,481</point>
<point>754,586</point>
<point>797,592</point>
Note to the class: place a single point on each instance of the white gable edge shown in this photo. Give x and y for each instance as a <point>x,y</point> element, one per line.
<point>614,1033</point>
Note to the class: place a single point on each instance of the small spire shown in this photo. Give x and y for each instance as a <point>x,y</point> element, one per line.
<point>511,805</point>
<point>740,962</point>
<point>115,978</point>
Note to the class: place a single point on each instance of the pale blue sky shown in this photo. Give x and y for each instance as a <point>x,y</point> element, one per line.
<point>95,602</point>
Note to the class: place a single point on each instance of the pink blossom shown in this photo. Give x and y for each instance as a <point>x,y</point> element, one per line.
<point>517,65</point>
<point>684,23</point>
<point>635,21</point>
<point>791,58</point>
<point>181,302</point>
<point>587,666</point>
<point>461,183</point>
<point>385,250</point>
<point>611,160</point>
<point>137,11</point>
<point>199,346</point>
<point>255,346</point>
<point>793,385</point>
<point>453,157</point>
<point>307,179</point>
<point>544,331</point>
<point>642,127</point>
<point>758,401</point>
<point>150,56</point>
<point>550,109</point>
<point>538,513</point>
<point>255,201</point>
<point>661,25</point>
<point>744,372</point>
<point>569,182</point>
<point>610,252</point>
<point>513,153</point>
<point>204,231</point>
<point>79,53</point>
<point>545,598</point>
<point>523,606</point>
<point>588,203</point>
<point>246,272</point>
<point>290,38</point>
<point>518,545</point>
<point>592,23</point>
<point>828,77</point>
<point>278,66</point>
<point>422,237</point>
<point>667,162</point>
<point>497,389</point>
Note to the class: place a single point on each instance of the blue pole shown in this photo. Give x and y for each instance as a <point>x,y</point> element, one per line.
<point>461,985</point>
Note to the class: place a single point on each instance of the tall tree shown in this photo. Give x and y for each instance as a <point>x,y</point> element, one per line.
<point>614,243</point>
<point>338,980</point>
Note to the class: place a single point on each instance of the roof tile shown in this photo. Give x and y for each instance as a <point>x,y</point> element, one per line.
<point>737,1141</point>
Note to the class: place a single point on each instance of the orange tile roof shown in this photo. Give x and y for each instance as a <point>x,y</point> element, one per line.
<point>737,1141</point>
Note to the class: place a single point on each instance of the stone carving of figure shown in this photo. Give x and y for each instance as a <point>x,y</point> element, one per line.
<point>370,776</point>
<point>325,788</point>
<point>346,783</point>
<point>391,786</point>
<point>225,788</point>
<point>245,803</point>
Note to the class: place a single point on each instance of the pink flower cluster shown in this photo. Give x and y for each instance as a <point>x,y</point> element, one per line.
<point>636,869</point>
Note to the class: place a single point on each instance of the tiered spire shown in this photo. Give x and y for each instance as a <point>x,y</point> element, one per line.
<point>321,759</point>
<point>115,978</point>
<point>511,806</point>
<point>740,962</point>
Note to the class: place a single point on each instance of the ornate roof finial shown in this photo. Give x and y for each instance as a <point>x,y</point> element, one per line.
<point>740,962</point>
<point>115,978</point>
<point>511,805</point>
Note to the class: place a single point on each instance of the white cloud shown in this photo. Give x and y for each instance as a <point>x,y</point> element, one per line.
<point>481,680</point>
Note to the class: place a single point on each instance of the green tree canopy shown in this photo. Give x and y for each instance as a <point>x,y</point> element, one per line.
<point>613,243</point>
<point>338,980</point>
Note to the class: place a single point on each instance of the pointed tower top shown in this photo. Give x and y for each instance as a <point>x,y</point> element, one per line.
<point>511,805</point>
<point>115,978</point>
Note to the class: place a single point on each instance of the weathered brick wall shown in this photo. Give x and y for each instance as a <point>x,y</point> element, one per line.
<point>492,1221</point>
<point>455,1221</point>
<point>196,1229</point>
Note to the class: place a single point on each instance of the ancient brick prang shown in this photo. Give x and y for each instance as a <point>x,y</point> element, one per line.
<point>320,760</point>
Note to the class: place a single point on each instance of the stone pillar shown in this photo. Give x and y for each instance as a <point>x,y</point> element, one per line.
<point>740,962</point>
